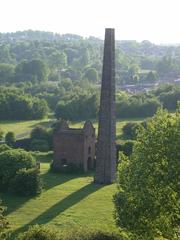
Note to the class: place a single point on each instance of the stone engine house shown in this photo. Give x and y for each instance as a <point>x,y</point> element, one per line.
<point>74,146</point>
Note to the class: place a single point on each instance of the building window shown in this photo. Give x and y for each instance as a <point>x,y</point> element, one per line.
<point>89,150</point>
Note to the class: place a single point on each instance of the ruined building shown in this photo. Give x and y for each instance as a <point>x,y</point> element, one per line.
<point>74,146</point>
<point>106,147</point>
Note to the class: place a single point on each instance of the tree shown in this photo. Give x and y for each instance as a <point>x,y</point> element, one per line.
<point>3,223</point>
<point>91,74</point>
<point>34,71</point>
<point>151,77</point>
<point>10,139</point>
<point>11,161</point>
<point>6,73</point>
<point>58,60</point>
<point>1,134</point>
<point>27,182</point>
<point>4,147</point>
<point>147,199</point>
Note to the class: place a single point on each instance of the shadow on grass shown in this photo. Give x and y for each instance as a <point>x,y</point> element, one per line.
<point>61,206</point>
<point>50,180</point>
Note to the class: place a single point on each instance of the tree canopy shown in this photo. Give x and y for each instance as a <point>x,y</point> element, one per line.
<point>147,199</point>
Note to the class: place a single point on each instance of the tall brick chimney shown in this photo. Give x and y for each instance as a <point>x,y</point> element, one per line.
<point>106,146</point>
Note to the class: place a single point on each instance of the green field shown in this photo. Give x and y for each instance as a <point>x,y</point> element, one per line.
<point>67,201</point>
<point>22,129</point>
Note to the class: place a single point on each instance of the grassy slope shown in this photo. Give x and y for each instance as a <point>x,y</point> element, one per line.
<point>67,201</point>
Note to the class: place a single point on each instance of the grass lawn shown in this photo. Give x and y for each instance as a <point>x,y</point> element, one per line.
<point>119,124</point>
<point>67,201</point>
<point>22,129</point>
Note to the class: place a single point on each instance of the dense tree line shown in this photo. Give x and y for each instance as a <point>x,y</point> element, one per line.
<point>16,105</point>
<point>79,101</point>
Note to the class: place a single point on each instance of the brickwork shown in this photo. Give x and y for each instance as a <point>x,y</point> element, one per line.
<point>106,148</point>
<point>74,146</point>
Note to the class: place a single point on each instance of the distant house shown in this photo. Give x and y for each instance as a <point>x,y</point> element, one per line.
<point>74,146</point>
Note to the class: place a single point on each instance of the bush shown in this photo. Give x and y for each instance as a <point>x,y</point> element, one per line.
<point>47,233</point>
<point>10,139</point>
<point>128,148</point>
<point>27,182</point>
<point>39,133</point>
<point>39,145</point>
<point>11,161</point>
<point>4,147</point>
<point>23,143</point>
<point>45,137</point>
<point>1,135</point>
<point>129,130</point>
<point>40,233</point>
<point>3,223</point>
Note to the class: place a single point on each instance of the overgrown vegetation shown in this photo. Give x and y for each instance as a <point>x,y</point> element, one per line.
<point>147,199</point>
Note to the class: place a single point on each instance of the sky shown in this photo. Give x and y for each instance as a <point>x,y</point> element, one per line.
<point>155,20</point>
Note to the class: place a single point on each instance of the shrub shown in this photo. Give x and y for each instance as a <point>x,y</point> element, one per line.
<point>23,143</point>
<point>39,133</point>
<point>3,223</point>
<point>11,161</point>
<point>27,182</point>
<point>39,145</point>
<point>128,148</point>
<point>40,233</point>
<point>10,139</point>
<point>46,233</point>
<point>129,130</point>
<point>4,147</point>
<point>1,135</point>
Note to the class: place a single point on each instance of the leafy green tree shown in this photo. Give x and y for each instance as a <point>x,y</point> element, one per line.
<point>27,182</point>
<point>10,139</point>
<point>6,73</point>
<point>91,74</point>
<point>4,147</point>
<point>16,105</point>
<point>58,60</point>
<point>5,54</point>
<point>165,65</point>
<point>1,134</point>
<point>147,199</point>
<point>11,161</point>
<point>129,130</point>
<point>151,77</point>
<point>33,71</point>
<point>3,223</point>
<point>133,74</point>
